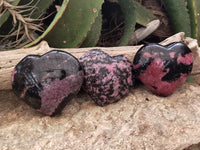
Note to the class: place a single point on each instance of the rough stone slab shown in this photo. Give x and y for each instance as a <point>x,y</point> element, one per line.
<point>162,123</point>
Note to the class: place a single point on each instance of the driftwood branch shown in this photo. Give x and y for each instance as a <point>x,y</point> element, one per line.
<point>8,59</point>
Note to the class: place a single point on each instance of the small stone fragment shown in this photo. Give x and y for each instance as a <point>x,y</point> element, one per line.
<point>162,69</point>
<point>107,79</point>
<point>47,82</point>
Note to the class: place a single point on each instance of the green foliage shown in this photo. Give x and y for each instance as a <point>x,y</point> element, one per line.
<point>94,33</point>
<point>39,7</point>
<point>143,15</point>
<point>76,21</point>
<point>184,16</point>
<point>53,23</point>
<point>128,9</point>
<point>190,79</point>
<point>194,11</point>
<point>133,13</point>
<point>179,16</point>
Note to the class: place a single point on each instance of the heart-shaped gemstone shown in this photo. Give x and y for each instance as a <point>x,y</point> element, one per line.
<point>107,79</point>
<point>162,69</point>
<point>47,82</point>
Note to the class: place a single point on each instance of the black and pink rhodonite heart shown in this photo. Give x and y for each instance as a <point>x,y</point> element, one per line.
<point>162,69</point>
<point>47,82</point>
<point>107,79</point>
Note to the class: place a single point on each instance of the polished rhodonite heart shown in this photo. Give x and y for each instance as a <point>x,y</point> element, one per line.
<point>49,81</point>
<point>107,79</point>
<point>163,68</point>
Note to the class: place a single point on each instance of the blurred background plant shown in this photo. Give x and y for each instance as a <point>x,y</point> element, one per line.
<point>88,23</point>
<point>20,21</point>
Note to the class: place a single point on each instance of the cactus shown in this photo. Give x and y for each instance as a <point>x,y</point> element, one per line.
<point>179,16</point>
<point>53,23</point>
<point>71,24</point>
<point>194,11</point>
<point>78,23</point>
<point>94,33</point>
<point>75,23</point>
<point>184,16</point>
<point>40,7</point>
<point>143,15</point>
<point>128,9</point>
<point>133,13</point>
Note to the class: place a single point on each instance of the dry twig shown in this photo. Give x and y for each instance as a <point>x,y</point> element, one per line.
<point>24,27</point>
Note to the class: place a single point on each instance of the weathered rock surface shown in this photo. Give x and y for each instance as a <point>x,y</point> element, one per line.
<point>139,121</point>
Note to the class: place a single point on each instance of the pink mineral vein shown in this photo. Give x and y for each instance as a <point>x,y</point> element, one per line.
<point>53,94</point>
<point>187,59</point>
<point>152,77</point>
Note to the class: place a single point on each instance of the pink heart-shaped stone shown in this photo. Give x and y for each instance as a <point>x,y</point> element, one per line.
<point>107,79</point>
<point>162,69</point>
<point>47,82</point>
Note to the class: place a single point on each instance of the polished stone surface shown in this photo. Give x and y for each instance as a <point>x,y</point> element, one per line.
<point>47,82</point>
<point>163,69</point>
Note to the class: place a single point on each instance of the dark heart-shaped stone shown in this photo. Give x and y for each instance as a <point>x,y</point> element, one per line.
<point>47,82</point>
<point>107,79</point>
<point>163,68</point>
